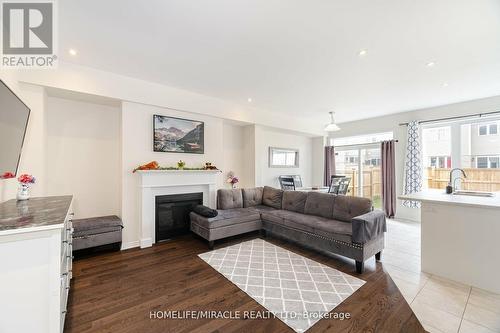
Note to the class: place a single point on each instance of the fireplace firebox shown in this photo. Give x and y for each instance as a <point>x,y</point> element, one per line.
<point>172,214</point>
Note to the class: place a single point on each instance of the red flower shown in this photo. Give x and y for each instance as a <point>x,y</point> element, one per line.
<point>7,175</point>
<point>26,179</point>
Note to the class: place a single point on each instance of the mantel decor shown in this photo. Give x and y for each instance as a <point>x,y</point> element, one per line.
<point>177,135</point>
<point>153,165</point>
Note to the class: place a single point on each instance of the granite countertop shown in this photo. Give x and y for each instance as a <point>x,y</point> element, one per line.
<point>35,212</point>
<point>439,196</point>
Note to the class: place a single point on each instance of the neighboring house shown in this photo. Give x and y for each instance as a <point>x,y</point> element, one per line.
<point>485,145</point>
<point>479,145</point>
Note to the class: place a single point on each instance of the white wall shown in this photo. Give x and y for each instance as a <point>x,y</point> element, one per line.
<point>265,138</point>
<point>84,155</point>
<point>235,157</point>
<point>390,123</point>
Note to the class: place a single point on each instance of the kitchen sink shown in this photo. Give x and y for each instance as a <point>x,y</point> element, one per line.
<point>474,193</point>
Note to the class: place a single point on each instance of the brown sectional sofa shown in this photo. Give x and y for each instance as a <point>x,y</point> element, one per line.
<point>329,223</point>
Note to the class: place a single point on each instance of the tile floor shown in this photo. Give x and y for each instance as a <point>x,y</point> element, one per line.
<point>441,305</point>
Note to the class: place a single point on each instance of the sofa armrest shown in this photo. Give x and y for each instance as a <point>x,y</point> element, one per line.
<point>368,226</point>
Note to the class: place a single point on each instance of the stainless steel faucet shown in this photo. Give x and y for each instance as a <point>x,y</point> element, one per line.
<point>453,188</point>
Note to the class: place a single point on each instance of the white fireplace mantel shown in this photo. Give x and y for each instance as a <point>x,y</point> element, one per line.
<point>166,182</point>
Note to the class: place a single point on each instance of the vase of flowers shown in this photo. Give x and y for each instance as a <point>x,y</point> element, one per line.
<point>25,181</point>
<point>232,179</point>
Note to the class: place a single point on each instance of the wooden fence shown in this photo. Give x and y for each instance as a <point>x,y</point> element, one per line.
<point>371,182</point>
<point>477,179</point>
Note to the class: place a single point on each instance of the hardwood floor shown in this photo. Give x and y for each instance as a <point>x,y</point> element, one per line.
<point>116,291</point>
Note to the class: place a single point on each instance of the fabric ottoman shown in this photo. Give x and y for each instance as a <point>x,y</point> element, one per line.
<point>97,231</point>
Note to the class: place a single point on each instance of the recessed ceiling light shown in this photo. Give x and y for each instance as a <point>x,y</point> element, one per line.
<point>431,64</point>
<point>362,53</point>
<point>72,52</point>
<point>249,100</point>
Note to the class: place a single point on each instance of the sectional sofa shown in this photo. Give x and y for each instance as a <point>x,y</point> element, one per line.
<point>329,223</point>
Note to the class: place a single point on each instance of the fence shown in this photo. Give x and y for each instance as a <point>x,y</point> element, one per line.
<point>371,182</point>
<point>477,179</point>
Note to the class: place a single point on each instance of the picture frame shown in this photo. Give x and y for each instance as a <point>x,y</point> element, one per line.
<point>178,135</point>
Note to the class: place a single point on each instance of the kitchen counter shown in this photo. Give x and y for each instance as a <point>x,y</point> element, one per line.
<point>460,237</point>
<point>440,196</point>
<point>36,213</point>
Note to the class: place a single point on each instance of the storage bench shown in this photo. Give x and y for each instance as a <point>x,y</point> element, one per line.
<point>97,231</point>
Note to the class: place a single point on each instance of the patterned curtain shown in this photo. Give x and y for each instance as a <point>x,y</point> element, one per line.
<point>413,164</point>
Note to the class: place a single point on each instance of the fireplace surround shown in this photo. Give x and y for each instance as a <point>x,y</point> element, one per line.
<point>153,183</point>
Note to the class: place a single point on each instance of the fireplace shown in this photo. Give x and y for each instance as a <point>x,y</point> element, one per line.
<point>172,214</point>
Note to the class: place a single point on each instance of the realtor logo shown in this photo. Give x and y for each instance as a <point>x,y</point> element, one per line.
<point>28,34</point>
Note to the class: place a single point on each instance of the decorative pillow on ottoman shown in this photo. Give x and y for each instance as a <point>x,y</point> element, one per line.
<point>272,197</point>
<point>205,211</point>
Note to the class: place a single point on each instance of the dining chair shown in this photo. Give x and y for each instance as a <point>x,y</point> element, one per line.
<point>287,183</point>
<point>296,179</point>
<point>339,184</point>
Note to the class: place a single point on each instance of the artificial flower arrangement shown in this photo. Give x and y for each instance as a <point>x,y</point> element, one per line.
<point>25,181</point>
<point>232,179</point>
<point>7,175</point>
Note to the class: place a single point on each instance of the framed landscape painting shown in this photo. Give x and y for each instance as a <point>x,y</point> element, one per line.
<point>177,135</point>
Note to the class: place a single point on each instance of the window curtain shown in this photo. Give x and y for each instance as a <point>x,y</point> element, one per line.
<point>329,164</point>
<point>388,177</point>
<point>413,164</point>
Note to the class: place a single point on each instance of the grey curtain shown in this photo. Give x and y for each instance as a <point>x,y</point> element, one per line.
<point>388,177</point>
<point>329,164</point>
<point>413,164</point>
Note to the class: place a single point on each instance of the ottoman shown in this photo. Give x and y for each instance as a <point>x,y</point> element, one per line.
<point>97,231</point>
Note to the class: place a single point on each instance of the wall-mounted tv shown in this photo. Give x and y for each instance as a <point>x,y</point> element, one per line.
<point>14,115</point>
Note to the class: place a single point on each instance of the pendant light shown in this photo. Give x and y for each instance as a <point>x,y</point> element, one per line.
<point>332,127</point>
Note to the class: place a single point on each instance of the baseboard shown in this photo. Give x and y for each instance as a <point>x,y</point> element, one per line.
<point>130,245</point>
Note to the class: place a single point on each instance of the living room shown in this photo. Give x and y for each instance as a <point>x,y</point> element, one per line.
<point>344,142</point>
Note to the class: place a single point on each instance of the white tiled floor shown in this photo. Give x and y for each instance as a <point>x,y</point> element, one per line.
<point>440,305</point>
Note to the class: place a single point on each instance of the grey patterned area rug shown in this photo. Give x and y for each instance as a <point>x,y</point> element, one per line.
<point>295,289</point>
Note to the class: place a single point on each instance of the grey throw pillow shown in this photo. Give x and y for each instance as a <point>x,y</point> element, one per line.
<point>272,197</point>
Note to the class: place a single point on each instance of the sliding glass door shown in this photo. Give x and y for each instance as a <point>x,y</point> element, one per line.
<point>362,165</point>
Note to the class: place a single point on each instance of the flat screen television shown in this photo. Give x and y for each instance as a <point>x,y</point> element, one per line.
<point>14,116</point>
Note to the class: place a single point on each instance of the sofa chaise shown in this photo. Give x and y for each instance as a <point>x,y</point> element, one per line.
<point>326,222</point>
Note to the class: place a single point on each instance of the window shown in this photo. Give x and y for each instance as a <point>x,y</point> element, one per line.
<point>482,162</point>
<point>488,129</point>
<point>494,162</point>
<point>283,158</point>
<point>475,147</point>
<point>439,162</point>
<point>487,162</point>
<point>483,130</point>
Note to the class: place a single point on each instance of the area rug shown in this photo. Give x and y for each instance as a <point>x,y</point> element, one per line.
<point>295,289</point>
